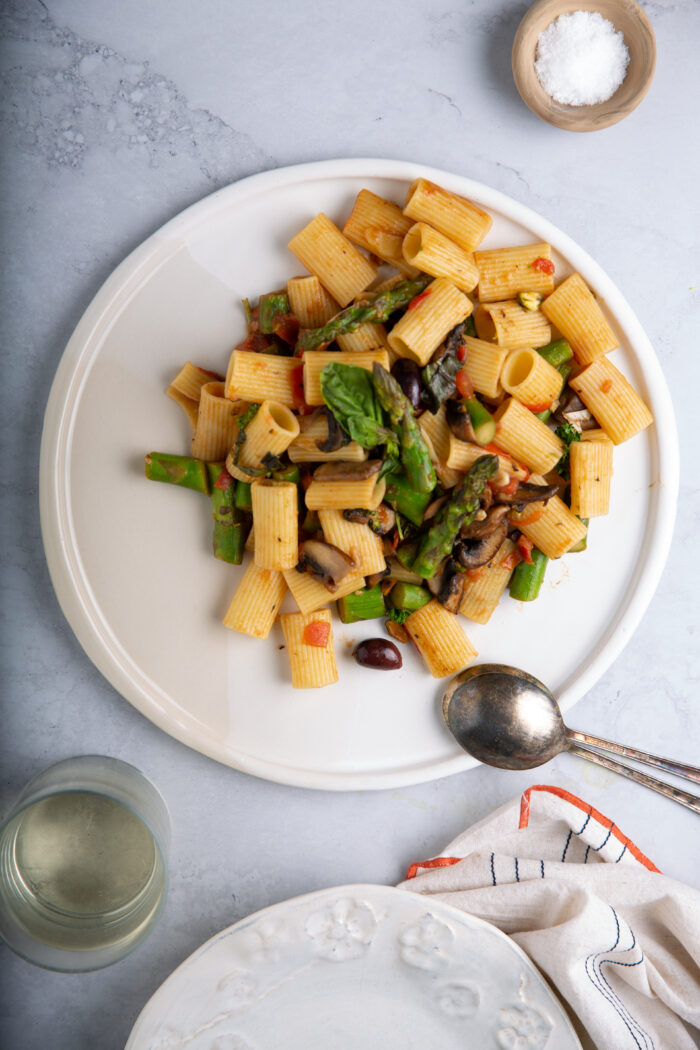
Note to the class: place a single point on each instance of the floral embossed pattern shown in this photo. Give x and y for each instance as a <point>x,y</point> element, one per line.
<point>523,1028</point>
<point>426,945</point>
<point>458,998</point>
<point>343,930</point>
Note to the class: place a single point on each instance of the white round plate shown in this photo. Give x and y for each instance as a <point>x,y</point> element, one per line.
<point>350,967</point>
<point>131,561</point>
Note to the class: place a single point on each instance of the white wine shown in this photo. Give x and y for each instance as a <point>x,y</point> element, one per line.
<point>79,871</point>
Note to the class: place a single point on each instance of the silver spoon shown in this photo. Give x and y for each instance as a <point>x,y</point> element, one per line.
<point>507,718</point>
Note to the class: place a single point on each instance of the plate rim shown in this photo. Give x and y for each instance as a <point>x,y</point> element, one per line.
<point>428,902</point>
<point>73,592</point>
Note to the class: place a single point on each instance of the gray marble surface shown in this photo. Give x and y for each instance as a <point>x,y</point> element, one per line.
<point>118,115</point>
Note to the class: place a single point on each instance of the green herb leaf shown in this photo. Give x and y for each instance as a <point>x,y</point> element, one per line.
<point>568,433</point>
<point>243,422</point>
<point>349,393</point>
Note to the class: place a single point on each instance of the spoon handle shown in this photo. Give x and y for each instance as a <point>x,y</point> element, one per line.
<point>683,797</point>
<point>679,769</point>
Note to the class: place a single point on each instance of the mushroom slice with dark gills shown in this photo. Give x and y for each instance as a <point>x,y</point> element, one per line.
<point>459,420</point>
<point>381,520</point>
<point>472,553</point>
<point>452,586</point>
<point>526,492</point>
<point>326,563</point>
<point>341,470</point>
<point>477,530</point>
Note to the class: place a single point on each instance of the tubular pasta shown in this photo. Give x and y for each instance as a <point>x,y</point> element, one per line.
<point>256,601</point>
<point>217,423</point>
<point>458,218</point>
<point>555,531</point>
<point>304,448</point>
<point>483,590</point>
<point>509,325</point>
<point>311,665</point>
<point>433,253</point>
<point>526,437</point>
<point>344,495</point>
<point>316,360</point>
<point>440,639</point>
<point>310,302</point>
<point>310,594</point>
<point>591,473</point>
<point>424,325</point>
<point>572,307</point>
<point>323,250</point>
<point>532,380</point>
<point>364,546</point>
<point>272,429</point>
<point>612,400</point>
<point>379,226</point>
<point>259,377</point>
<point>483,365</point>
<point>275,520</point>
<point>503,272</point>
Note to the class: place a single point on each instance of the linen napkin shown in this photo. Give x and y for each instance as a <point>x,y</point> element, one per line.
<point>619,941</point>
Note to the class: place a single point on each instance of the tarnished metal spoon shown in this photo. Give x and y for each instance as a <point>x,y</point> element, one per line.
<point>507,718</point>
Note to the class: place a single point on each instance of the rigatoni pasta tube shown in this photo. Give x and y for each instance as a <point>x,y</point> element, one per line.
<point>436,435</point>
<point>343,495</point>
<point>258,377</point>
<point>458,218</point>
<point>484,586</point>
<point>275,512</point>
<point>272,429</point>
<point>503,272</point>
<point>591,465</point>
<point>217,423</point>
<point>312,666</point>
<point>555,531</point>
<point>190,380</point>
<point>612,400</point>
<point>532,380</point>
<point>440,639</point>
<point>463,454</point>
<point>314,361</point>
<point>424,325</point>
<point>371,212</point>
<point>433,253</point>
<point>310,594</point>
<point>526,437</point>
<point>483,364</point>
<point>364,546</point>
<point>188,405</point>
<point>256,602</point>
<point>365,337</point>
<point>314,429</point>
<point>572,307</point>
<point>509,325</point>
<point>310,302</point>
<point>337,263</point>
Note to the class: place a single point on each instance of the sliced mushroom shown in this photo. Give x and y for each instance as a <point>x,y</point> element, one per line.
<point>477,530</point>
<point>582,420</point>
<point>326,563</point>
<point>377,577</point>
<point>454,338</point>
<point>337,437</point>
<point>435,581</point>
<point>452,590</point>
<point>458,421</point>
<point>571,409</point>
<point>380,521</point>
<point>526,492</point>
<point>473,553</point>
<point>340,470</point>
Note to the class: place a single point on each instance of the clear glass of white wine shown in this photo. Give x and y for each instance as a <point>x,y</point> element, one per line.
<point>83,864</point>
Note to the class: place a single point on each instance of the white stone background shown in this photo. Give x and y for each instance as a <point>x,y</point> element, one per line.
<point>118,115</point>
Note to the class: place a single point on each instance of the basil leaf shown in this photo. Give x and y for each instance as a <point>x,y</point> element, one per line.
<point>349,393</point>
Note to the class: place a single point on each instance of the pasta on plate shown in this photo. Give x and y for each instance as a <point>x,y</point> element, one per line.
<point>409,430</point>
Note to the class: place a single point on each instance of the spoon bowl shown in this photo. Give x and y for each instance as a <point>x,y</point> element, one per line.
<point>504,717</point>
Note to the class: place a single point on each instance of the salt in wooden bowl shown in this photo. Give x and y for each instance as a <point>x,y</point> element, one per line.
<point>626,16</point>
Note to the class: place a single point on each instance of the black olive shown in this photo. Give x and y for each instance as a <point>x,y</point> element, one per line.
<point>378,653</point>
<point>407,374</point>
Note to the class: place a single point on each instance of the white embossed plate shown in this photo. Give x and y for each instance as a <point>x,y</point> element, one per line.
<point>353,967</point>
<point>131,562</point>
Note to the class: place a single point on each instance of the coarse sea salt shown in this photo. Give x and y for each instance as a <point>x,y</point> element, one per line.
<point>581,58</point>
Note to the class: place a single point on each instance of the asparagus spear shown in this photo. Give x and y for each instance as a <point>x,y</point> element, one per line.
<point>243,498</point>
<point>373,310</point>
<point>177,470</point>
<point>404,498</point>
<point>556,353</point>
<point>564,371</point>
<point>409,596</point>
<point>527,578</point>
<point>459,510</point>
<point>270,306</point>
<point>366,604</point>
<point>230,524</point>
<point>413,450</point>
<point>483,423</point>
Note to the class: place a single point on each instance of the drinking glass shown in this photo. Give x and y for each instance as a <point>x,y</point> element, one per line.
<point>83,864</point>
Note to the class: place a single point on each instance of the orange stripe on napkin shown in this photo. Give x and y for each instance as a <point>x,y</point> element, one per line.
<point>437,862</point>
<point>586,808</point>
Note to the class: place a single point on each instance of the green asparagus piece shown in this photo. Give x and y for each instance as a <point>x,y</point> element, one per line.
<point>527,579</point>
<point>178,470</point>
<point>374,310</point>
<point>404,498</point>
<point>230,524</point>
<point>229,541</point>
<point>406,552</point>
<point>413,450</point>
<point>243,499</point>
<point>367,604</point>
<point>270,306</point>
<point>470,327</point>
<point>556,353</point>
<point>564,371</point>
<point>289,472</point>
<point>459,510</point>
<point>311,522</point>
<point>409,596</point>
<point>483,423</point>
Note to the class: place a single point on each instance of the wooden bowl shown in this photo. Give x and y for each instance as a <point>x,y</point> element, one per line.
<point>625,15</point>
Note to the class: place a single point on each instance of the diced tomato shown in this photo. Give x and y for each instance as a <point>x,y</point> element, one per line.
<point>543,265</point>
<point>305,476</point>
<point>254,343</point>
<point>507,489</point>
<point>532,517</point>
<point>224,480</point>
<point>464,384</point>
<point>461,352</point>
<point>495,449</point>
<point>525,546</point>
<point>541,406</point>
<point>606,386</point>
<point>296,378</point>
<point>511,560</point>
<point>286,326</point>
<point>317,633</point>
<point>418,299</point>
